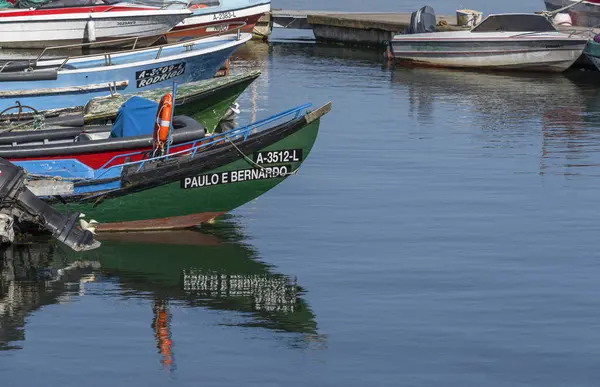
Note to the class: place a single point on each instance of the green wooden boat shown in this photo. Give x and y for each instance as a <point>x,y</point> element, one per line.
<point>206,101</point>
<point>592,51</point>
<point>201,184</point>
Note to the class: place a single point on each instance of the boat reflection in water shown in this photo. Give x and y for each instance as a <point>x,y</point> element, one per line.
<point>32,276</point>
<point>508,110</point>
<point>211,269</point>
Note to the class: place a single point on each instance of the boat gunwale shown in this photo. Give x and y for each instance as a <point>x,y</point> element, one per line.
<point>5,19</point>
<point>230,41</point>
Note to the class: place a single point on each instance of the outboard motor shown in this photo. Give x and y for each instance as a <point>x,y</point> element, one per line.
<point>422,21</point>
<point>18,202</point>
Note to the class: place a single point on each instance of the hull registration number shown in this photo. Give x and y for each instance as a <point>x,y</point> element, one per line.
<point>221,28</point>
<point>278,156</point>
<point>224,15</point>
<point>149,77</point>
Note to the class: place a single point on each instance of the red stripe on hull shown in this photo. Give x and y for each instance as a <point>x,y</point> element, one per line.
<point>196,30</point>
<point>170,223</point>
<point>99,159</point>
<point>72,10</point>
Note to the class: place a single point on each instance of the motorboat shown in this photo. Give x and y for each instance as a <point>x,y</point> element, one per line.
<point>213,16</point>
<point>500,42</point>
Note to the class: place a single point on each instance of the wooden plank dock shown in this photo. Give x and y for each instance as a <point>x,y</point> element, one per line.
<point>372,29</point>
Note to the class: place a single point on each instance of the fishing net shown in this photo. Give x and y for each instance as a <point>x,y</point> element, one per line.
<point>30,3</point>
<point>5,4</point>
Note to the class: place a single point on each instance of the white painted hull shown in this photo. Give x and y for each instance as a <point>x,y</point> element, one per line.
<point>550,61</point>
<point>62,30</point>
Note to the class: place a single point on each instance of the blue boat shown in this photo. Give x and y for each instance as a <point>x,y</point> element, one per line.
<point>47,84</point>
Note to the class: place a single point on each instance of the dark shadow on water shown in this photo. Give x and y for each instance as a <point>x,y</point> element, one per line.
<point>356,56</point>
<point>213,268</point>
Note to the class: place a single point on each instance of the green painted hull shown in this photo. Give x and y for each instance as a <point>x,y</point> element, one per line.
<point>165,206</point>
<point>592,50</point>
<point>205,101</point>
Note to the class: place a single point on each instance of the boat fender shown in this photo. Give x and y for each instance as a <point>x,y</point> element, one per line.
<point>67,120</point>
<point>90,30</point>
<point>163,121</point>
<point>189,124</point>
<point>35,75</point>
<point>563,19</point>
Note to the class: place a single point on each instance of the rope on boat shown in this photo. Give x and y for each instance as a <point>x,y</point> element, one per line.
<point>251,162</point>
<point>40,122</point>
<point>50,177</point>
<point>549,14</point>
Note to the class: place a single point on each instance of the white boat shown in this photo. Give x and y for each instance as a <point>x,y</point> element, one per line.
<point>499,42</point>
<point>48,26</point>
<point>210,16</point>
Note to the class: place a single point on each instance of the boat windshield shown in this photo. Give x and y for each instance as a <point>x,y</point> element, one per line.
<point>515,23</point>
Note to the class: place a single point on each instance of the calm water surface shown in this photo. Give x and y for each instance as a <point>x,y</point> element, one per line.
<point>443,232</point>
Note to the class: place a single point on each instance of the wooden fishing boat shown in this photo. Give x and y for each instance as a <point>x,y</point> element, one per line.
<point>210,16</point>
<point>592,51</point>
<point>205,101</point>
<point>182,189</point>
<point>71,82</point>
<point>500,42</point>
<point>103,23</point>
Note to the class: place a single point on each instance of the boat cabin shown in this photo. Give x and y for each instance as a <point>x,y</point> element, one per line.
<point>515,22</point>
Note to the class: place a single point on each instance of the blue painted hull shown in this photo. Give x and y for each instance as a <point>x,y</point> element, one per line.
<point>83,80</point>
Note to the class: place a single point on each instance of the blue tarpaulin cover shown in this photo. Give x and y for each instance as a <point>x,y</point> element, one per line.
<point>136,117</point>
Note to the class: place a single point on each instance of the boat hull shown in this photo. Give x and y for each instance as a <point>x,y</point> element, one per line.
<point>592,51</point>
<point>205,101</point>
<point>206,22</point>
<point>586,14</point>
<point>42,31</point>
<point>531,55</point>
<point>187,203</point>
<point>75,87</point>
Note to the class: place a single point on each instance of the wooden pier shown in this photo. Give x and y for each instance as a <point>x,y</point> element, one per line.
<point>353,28</point>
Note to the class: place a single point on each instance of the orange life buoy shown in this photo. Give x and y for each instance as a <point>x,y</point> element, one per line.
<point>163,119</point>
